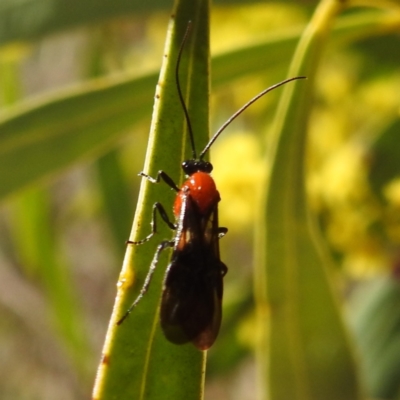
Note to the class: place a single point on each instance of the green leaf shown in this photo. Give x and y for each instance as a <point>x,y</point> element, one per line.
<point>376,307</point>
<point>39,255</point>
<point>25,20</point>
<point>304,351</point>
<point>115,195</point>
<point>48,135</point>
<point>138,362</point>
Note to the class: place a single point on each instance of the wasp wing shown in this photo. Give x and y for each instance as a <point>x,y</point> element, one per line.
<point>191,305</point>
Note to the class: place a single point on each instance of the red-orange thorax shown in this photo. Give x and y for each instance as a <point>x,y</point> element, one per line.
<point>201,188</point>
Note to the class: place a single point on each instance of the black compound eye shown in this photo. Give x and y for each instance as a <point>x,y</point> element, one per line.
<point>192,166</point>
<point>207,167</point>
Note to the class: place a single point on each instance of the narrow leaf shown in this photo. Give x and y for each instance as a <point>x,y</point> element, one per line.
<point>304,351</point>
<point>138,362</point>
<point>376,325</point>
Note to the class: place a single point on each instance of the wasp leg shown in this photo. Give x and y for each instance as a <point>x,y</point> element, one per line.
<point>162,246</point>
<point>161,175</point>
<point>161,210</point>
<point>222,232</point>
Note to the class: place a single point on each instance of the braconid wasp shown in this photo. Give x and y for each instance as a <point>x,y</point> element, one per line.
<point>191,303</point>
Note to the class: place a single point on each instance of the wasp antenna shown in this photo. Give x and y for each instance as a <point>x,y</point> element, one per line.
<point>178,85</point>
<point>248,104</point>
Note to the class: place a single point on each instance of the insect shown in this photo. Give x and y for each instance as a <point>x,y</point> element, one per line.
<point>191,302</point>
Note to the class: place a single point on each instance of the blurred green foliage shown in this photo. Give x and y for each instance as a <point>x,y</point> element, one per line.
<point>71,147</point>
